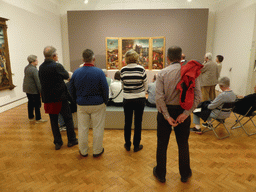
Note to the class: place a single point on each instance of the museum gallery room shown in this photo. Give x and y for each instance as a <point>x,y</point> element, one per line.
<point>221,158</point>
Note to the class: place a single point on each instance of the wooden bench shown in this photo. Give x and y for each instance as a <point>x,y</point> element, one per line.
<point>115,118</point>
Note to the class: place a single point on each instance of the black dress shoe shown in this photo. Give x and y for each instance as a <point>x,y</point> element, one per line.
<point>99,154</point>
<point>128,148</point>
<point>185,179</point>
<point>71,144</point>
<point>83,155</point>
<point>136,149</point>
<point>162,180</point>
<point>57,146</point>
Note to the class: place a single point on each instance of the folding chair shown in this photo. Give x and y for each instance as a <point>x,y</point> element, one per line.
<point>226,107</point>
<point>241,115</point>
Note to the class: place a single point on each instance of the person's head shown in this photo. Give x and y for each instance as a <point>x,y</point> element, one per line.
<point>32,59</point>
<point>219,58</point>
<point>88,56</point>
<point>183,56</point>
<point>50,53</point>
<point>131,56</point>
<point>154,78</point>
<point>117,76</point>
<point>174,54</point>
<point>208,57</point>
<point>105,72</point>
<point>224,83</point>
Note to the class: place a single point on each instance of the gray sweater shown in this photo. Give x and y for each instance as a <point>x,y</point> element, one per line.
<point>217,103</point>
<point>31,82</point>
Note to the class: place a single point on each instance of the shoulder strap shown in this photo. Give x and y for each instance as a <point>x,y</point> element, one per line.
<point>117,94</point>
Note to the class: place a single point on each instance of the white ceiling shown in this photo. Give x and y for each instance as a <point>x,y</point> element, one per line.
<point>66,5</point>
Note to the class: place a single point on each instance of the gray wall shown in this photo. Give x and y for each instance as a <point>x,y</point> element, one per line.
<point>88,29</point>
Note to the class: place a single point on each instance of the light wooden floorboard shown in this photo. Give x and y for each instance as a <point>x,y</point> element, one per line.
<point>29,162</point>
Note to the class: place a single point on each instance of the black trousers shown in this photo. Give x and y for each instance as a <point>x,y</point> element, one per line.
<point>130,106</point>
<point>34,102</point>
<point>182,132</point>
<point>67,116</point>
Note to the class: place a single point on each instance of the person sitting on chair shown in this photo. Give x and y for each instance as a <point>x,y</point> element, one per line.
<point>151,101</point>
<point>243,104</point>
<point>115,91</point>
<point>226,96</point>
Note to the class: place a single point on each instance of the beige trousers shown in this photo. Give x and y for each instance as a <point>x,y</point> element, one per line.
<point>208,92</point>
<point>92,115</point>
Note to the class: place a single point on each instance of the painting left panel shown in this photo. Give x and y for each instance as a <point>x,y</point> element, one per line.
<point>112,58</point>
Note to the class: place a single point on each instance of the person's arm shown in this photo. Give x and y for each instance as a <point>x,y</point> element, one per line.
<point>36,79</point>
<point>60,70</point>
<point>218,101</point>
<point>204,69</point>
<point>104,87</point>
<point>145,81</point>
<point>72,88</point>
<point>160,101</point>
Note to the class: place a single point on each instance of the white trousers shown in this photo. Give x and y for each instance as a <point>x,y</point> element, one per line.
<point>93,115</point>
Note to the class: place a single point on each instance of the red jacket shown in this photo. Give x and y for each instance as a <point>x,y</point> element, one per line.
<point>189,73</point>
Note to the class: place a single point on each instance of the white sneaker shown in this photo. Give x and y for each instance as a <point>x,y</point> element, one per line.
<point>41,121</point>
<point>31,119</point>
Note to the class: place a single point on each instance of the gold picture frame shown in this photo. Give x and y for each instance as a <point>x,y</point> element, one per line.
<point>150,49</point>
<point>5,66</point>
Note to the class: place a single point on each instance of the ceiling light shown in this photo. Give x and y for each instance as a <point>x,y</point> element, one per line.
<point>189,0</point>
<point>86,1</point>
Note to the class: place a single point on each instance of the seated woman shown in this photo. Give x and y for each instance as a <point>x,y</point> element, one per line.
<point>151,101</point>
<point>115,91</point>
<point>226,96</point>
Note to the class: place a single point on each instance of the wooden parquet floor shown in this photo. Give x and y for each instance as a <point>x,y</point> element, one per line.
<point>29,162</point>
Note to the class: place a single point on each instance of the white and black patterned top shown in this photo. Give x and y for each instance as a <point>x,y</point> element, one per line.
<point>134,81</point>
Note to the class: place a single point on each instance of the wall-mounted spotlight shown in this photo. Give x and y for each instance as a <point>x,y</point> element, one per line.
<point>86,1</point>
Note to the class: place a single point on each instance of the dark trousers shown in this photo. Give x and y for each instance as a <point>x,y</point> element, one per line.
<point>182,132</point>
<point>67,116</point>
<point>34,102</point>
<point>130,106</point>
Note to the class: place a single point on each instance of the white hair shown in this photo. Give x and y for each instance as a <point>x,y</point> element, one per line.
<point>209,56</point>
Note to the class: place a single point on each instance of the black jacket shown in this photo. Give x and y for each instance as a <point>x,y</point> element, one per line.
<point>243,105</point>
<point>52,75</point>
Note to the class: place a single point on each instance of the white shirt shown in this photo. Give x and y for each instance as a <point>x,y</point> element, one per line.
<point>114,89</point>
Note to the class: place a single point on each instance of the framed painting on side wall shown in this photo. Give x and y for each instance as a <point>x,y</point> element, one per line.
<point>5,67</point>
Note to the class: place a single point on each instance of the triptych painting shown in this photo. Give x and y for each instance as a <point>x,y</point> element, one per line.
<point>151,51</point>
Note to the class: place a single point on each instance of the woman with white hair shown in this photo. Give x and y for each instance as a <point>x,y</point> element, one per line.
<point>227,95</point>
<point>32,87</point>
<point>134,83</point>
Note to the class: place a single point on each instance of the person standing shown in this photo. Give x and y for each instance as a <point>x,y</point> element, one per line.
<point>32,87</point>
<point>172,116</point>
<point>55,96</point>
<point>89,88</point>
<point>135,85</point>
<point>209,78</point>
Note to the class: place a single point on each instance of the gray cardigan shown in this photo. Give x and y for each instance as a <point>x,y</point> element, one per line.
<point>31,83</point>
